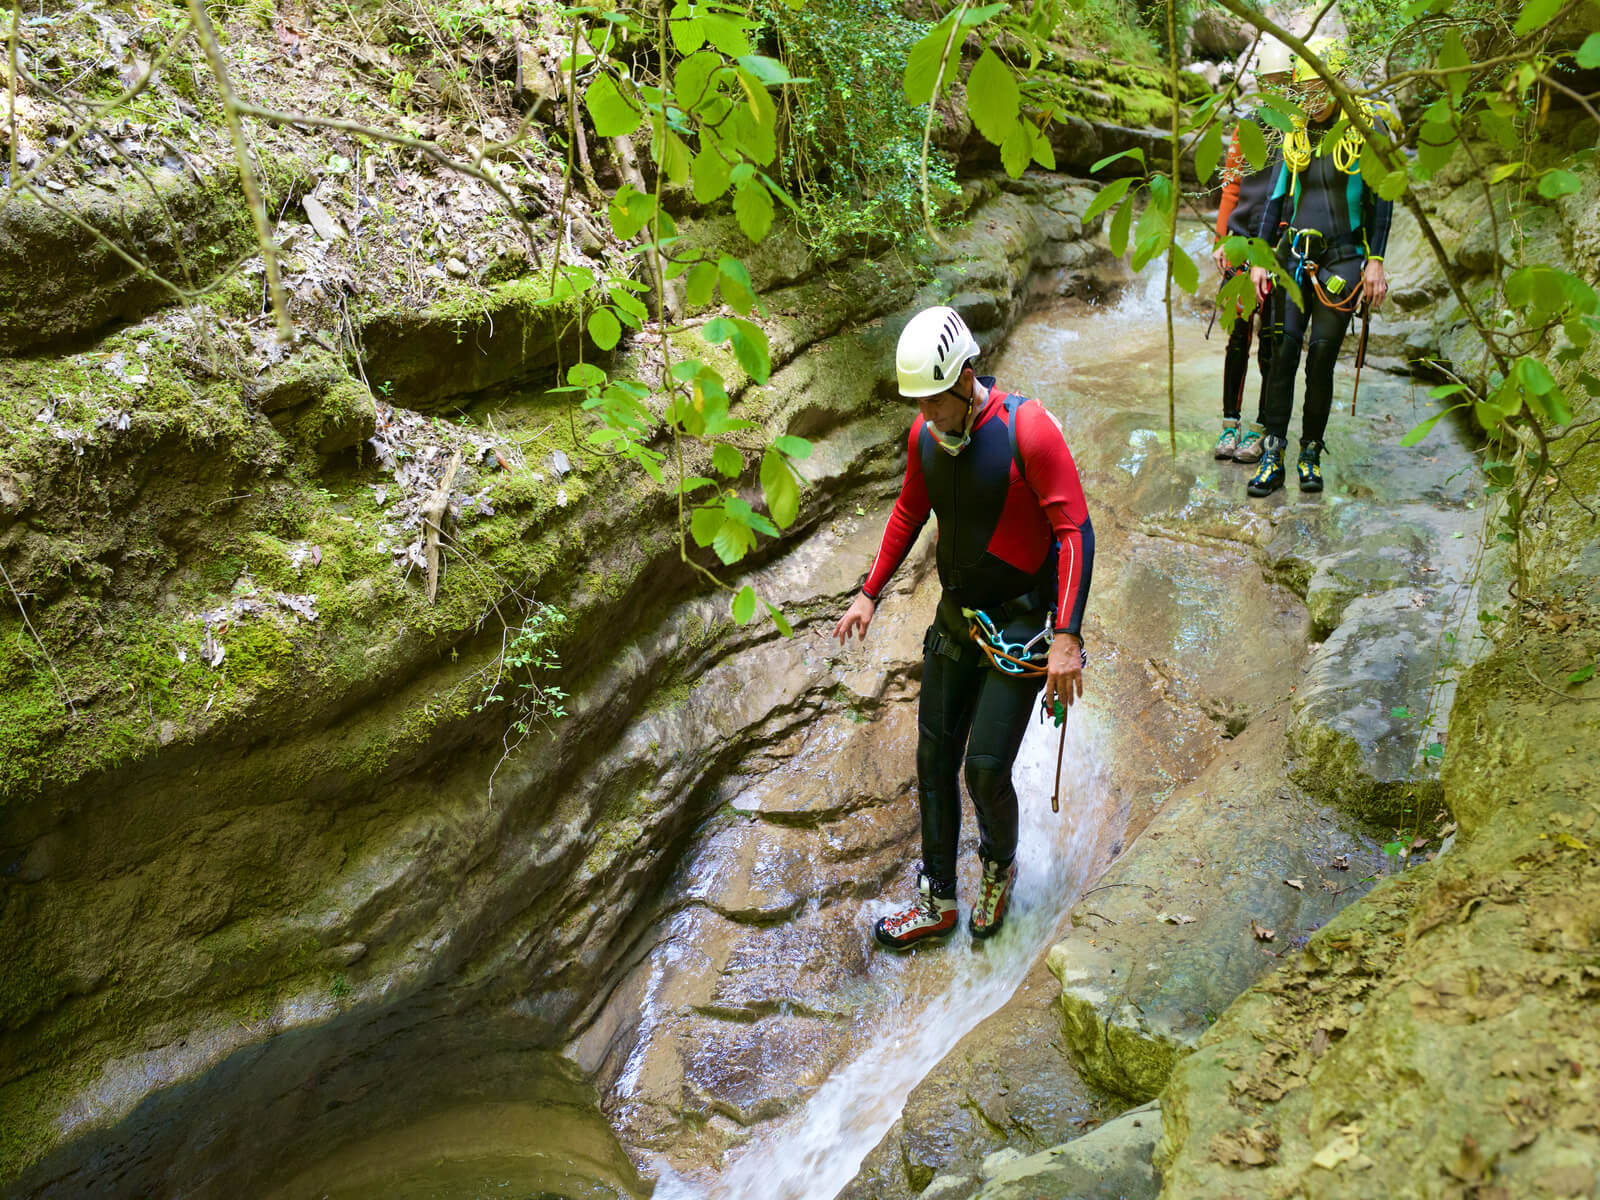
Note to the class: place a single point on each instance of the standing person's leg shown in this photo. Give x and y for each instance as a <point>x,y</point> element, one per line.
<point>1235,366</point>
<point>1328,327</point>
<point>951,675</point>
<point>1252,440</point>
<point>1279,399</point>
<point>1006,703</point>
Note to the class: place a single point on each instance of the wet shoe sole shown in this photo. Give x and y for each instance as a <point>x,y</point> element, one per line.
<point>937,935</point>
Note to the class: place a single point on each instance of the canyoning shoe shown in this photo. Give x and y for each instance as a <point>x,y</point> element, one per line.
<point>1228,443</point>
<point>1309,467</point>
<point>1269,473</point>
<point>1251,444</point>
<point>929,918</point>
<point>994,898</point>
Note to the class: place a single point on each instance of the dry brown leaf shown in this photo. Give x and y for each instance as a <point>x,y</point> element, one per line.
<point>1175,918</point>
<point>1255,1146</point>
<point>1298,885</point>
<point>1262,933</point>
<point>1341,862</point>
<point>1341,1150</point>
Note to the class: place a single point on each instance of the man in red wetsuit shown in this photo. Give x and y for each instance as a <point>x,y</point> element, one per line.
<point>1015,544</point>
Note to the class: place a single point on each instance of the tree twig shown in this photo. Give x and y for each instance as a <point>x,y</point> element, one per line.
<point>65,694</point>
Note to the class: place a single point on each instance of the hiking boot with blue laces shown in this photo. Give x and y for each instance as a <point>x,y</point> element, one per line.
<point>1251,444</point>
<point>1269,474</point>
<point>994,897</point>
<point>930,917</point>
<point>1309,467</point>
<point>1228,442</point>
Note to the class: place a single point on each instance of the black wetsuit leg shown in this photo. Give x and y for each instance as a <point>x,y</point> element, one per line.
<point>1235,366</point>
<point>1319,334</point>
<point>968,710</point>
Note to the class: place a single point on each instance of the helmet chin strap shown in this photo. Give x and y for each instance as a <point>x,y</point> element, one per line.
<point>953,444</point>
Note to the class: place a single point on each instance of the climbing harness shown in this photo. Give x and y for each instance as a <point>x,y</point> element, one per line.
<point>1012,658</point>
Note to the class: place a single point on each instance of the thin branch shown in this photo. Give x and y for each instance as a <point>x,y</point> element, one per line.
<point>927,125</point>
<point>65,694</point>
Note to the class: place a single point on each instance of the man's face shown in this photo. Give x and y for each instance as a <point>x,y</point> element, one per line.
<point>947,411</point>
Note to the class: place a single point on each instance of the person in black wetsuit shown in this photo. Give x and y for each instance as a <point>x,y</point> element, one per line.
<point>1015,543</point>
<point>1244,195</point>
<point>1331,231</point>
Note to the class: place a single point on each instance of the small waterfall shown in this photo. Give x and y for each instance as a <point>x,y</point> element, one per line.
<point>1143,301</point>
<point>819,1149</point>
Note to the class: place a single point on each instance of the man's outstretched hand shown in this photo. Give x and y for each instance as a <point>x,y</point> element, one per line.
<point>1064,679</point>
<point>856,618</point>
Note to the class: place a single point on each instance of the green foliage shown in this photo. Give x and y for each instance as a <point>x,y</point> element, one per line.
<point>853,144</point>
<point>520,672</point>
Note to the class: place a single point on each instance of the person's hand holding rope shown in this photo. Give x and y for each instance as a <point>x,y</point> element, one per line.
<point>1064,672</point>
<point>1374,287</point>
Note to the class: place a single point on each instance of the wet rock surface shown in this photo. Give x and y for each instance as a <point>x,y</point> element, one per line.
<point>1111,1163</point>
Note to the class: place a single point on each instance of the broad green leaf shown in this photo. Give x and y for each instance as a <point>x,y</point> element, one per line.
<point>993,101</point>
<point>750,345</point>
<point>778,619</point>
<point>1533,375</point>
<point>780,488</point>
<point>1283,124</point>
<point>688,33</point>
<point>1152,245</point>
<point>585,375</point>
<point>1558,183</point>
<point>1043,152</point>
<point>1208,154</point>
<point>734,540</point>
<point>977,16</point>
<point>1252,144</point>
<point>693,79</point>
<point>743,605</point>
<point>1535,14</point>
<point>672,154</point>
<point>922,64</point>
<point>694,483</point>
<point>737,290</point>
<point>1117,235</point>
<point>1134,153</point>
<point>724,33</point>
<point>612,113</point>
<point>604,328</point>
<point>1400,713</point>
<point>1418,432</point>
<point>1016,149</point>
<point>726,459</point>
<point>1107,196</point>
<point>1585,673</point>
<point>1445,390</point>
<point>630,211</point>
<point>704,523</point>
<point>769,70</point>
<point>702,282</point>
<point>752,204</point>
<point>739,509</point>
<point>628,306</point>
<point>1184,272</point>
<point>1588,56</point>
<point>1393,185</point>
<point>711,173</point>
<point>1237,249</point>
<point>1453,57</point>
<point>1504,171</point>
<point>1436,143</point>
<point>755,121</point>
<point>794,447</point>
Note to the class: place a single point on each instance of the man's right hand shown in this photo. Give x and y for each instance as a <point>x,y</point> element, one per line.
<point>1262,278</point>
<point>1220,257</point>
<point>856,618</point>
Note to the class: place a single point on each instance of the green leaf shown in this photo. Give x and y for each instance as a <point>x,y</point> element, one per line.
<point>1533,375</point>
<point>1421,431</point>
<point>750,345</point>
<point>1558,183</point>
<point>628,303</point>
<point>1434,752</point>
<point>743,606</point>
<point>781,489</point>
<point>1253,144</point>
<point>672,153</point>
<point>1184,272</point>
<point>704,523</point>
<point>1393,185</point>
<point>755,121</point>
<point>993,100</point>
<point>778,619</point>
<point>769,70</point>
<point>1043,152</point>
<point>585,375</point>
<point>739,509</point>
<point>612,113</point>
<point>604,328</point>
<point>1588,56</point>
<point>1504,171</point>
<point>737,290</point>
<point>1392,849</point>
<point>693,79</point>
<point>1107,196</point>
<point>922,64</point>
<point>694,483</point>
<point>702,282</point>
<point>1586,673</point>
<point>630,211</point>
<point>752,204</point>
<point>688,33</point>
<point>794,447</point>
<point>734,540</point>
<point>1208,154</point>
<point>724,33</point>
<point>1401,713</point>
<point>726,459</point>
<point>1535,14</point>
<point>1016,149</point>
<point>1117,235</point>
<point>1453,57</point>
<point>1134,153</point>
<point>977,16</point>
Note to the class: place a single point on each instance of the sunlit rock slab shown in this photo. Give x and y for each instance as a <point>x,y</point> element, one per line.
<point>1111,1163</point>
<point>1175,930</point>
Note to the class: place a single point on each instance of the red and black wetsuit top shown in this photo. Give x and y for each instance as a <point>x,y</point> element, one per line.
<point>1000,536</point>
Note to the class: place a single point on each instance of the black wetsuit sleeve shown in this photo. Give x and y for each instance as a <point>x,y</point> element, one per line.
<point>1376,214</point>
<point>1272,210</point>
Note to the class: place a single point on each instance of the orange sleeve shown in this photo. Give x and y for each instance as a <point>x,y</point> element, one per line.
<point>1231,170</point>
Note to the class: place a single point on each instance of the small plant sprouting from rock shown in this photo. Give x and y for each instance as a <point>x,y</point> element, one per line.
<point>519,676</point>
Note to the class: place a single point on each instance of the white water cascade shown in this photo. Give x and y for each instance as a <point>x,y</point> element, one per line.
<point>816,1151</point>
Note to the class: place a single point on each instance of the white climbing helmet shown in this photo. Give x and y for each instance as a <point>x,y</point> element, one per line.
<point>934,346</point>
<point>1273,57</point>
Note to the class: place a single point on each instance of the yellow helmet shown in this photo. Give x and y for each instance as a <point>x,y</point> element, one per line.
<point>1331,50</point>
